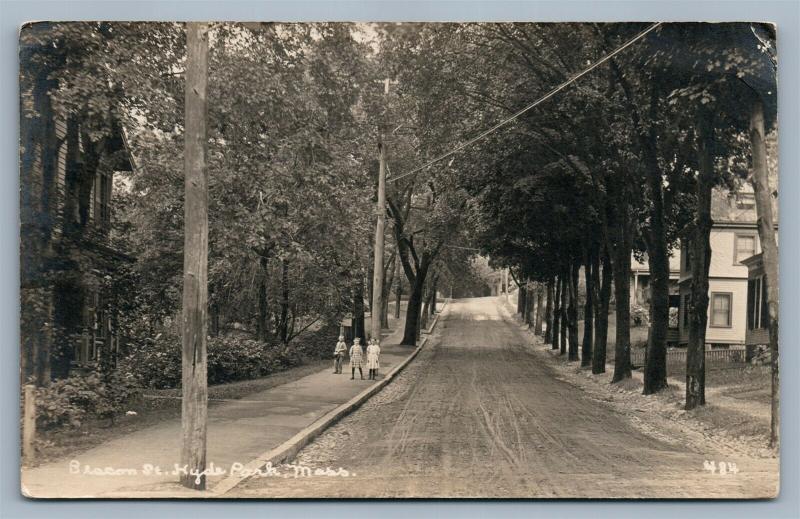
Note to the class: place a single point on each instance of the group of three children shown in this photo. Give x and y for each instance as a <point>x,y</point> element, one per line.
<point>356,357</point>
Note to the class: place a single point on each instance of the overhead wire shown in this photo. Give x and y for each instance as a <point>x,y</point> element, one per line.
<point>532,105</point>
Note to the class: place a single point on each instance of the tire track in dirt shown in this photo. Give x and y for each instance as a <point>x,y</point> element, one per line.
<point>477,414</point>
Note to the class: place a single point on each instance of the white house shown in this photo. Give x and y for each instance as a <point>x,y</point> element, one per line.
<point>734,237</point>
<point>640,279</point>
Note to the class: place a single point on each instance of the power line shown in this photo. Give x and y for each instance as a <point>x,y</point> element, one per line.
<point>532,105</point>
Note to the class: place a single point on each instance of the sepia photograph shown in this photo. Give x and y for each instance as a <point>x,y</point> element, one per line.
<point>336,260</point>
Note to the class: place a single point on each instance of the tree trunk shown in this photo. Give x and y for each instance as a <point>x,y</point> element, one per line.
<point>523,290</point>
<point>195,264</point>
<point>700,261</point>
<point>263,323</point>
<point>601,315</point>
<point>398,289</point>
<point>48,213</point>
<point>358,311</point>
<point>530,304</point>
<point>655,372</point>
<point>769,248</point>
<point>572,311</point>
<point>434,295</point>
<point>622,295</point>
<point>386,290</point>
<point>537,327</point>
<point>284,301</point>
<point>548,313</point>
<point>588,309</point>
<point>413,309</point>
<point>556,334</point>
<point>38,218</point>
<point>385,312</point>
<point>426,301</point>
<point>565,302</point>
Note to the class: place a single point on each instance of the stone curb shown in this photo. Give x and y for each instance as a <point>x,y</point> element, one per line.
<point>292,446</point>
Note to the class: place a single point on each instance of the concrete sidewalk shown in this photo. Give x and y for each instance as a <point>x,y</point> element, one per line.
<point>238,431</point>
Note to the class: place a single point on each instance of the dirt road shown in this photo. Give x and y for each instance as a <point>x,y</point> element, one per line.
<point>478,414</point>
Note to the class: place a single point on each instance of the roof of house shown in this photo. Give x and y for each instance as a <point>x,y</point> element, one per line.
<point>753,261</point>
<point>642,266</point>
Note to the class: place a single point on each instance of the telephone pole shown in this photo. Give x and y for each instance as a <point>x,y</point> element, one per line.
<point>194,411</point>
<point>377,276</point>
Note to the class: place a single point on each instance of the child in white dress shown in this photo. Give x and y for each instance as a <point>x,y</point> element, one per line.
<point>373,358</point>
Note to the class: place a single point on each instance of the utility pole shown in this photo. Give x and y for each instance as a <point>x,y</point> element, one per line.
<point>377,271</point>
<point>194,410</point>
<point>769,254</point>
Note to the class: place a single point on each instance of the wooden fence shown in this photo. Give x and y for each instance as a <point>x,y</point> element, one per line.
<point>715,359</point>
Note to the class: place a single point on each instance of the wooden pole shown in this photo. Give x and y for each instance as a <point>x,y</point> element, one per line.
<point>769,251</point>
<point>380,209</point>
<point>377,270</point>
<point>195,260</point>
<point>28,423</point>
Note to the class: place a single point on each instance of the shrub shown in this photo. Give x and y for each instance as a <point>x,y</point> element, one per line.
<point>156,363</point>
<point>640,316</point>
<point>234,358</point>
<point>69,402</point>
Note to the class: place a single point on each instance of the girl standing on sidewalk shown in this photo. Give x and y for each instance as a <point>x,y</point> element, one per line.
<point>356,356</point>
<point>373,358</point>
<point>338,354</point>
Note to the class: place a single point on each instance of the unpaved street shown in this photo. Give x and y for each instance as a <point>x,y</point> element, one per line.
<point>479,414</point>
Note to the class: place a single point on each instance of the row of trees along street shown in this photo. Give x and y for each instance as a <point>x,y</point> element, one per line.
<point>625,162</point>
<point>277,129</point>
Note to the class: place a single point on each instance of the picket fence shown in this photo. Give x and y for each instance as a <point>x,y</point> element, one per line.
<point>715,359</point>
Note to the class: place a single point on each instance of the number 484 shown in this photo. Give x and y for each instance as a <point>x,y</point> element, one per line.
<point>722,468</point>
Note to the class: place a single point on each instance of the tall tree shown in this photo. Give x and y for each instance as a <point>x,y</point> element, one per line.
<point>601,312</point>
<point>537,327</point>
<point>548,313</point>
<point>558,300</point>
<point>588,308</point>
<point>572,309</point>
